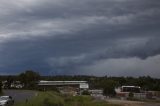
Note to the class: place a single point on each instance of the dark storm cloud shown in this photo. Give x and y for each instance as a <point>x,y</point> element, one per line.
<point>69,37</point>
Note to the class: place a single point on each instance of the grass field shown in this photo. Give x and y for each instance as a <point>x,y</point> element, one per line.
<point>56,99</point>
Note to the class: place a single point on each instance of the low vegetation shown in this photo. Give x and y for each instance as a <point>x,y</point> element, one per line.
<point>55,99</point>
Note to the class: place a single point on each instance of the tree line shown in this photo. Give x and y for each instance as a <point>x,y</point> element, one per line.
<point>30,79</point>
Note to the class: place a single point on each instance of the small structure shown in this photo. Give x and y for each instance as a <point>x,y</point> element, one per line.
<point>4,84</point>
<point>154,94</point>
<point>14,85</point>
<point>97,93</point>
<point>17,85</point>
<point>124,91</point>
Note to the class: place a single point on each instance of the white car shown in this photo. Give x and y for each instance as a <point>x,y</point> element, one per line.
<point>6,101</point>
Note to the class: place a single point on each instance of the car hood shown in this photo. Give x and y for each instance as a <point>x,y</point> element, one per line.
<point>3,101</point>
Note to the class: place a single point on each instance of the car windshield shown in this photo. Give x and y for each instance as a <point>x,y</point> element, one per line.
<point>3,98</point>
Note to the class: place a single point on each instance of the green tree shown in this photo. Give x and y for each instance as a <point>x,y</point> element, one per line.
<point>29,79</point>
<point>9,81</point>
<point>109,87</point>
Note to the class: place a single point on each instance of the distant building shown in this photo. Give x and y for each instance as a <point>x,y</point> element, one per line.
<point>154,94</point>
<point>4,84</point>
<point>14,85</point>
<point>71,87</point>
<point>124,91</point>
<point>133,89</point>
<point>97,93</point>
<point>17,85</point>
<point>79,84</point>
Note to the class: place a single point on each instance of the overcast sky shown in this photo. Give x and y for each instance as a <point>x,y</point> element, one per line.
<point>86,37</point>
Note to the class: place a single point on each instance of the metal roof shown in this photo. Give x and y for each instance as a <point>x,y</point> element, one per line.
<point>62,82</point>
<point>131,86</point>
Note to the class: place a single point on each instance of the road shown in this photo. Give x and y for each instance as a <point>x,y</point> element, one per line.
<point>20,95</point>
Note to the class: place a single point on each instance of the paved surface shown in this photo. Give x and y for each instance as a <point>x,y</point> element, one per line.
<point>20,95</point>
<point>131,103</point>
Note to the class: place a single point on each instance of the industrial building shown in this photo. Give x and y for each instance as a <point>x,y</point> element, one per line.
<point>65,87</point>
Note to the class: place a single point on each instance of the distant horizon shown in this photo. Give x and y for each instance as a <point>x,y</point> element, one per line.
<point>58,75</point>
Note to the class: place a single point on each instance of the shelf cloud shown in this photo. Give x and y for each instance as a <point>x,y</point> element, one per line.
<point>86,37</point>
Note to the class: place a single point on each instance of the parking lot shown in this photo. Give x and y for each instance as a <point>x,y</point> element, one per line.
<point>20,95</point>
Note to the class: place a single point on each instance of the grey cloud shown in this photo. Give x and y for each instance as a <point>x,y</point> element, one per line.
<point>125,67</point>
<point>140,48</point>
<point>64,36</point>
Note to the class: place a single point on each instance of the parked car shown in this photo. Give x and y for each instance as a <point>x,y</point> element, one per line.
<point>6,101</point>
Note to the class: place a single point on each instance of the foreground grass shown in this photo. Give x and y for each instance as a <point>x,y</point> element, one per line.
<point>55,99</point>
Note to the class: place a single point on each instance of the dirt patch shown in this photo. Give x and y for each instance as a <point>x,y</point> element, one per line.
<point>131,103</point>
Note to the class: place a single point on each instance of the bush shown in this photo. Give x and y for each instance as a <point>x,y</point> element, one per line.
<point>131,95</point>
<point>85,92</point>
<point>46,102</point>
